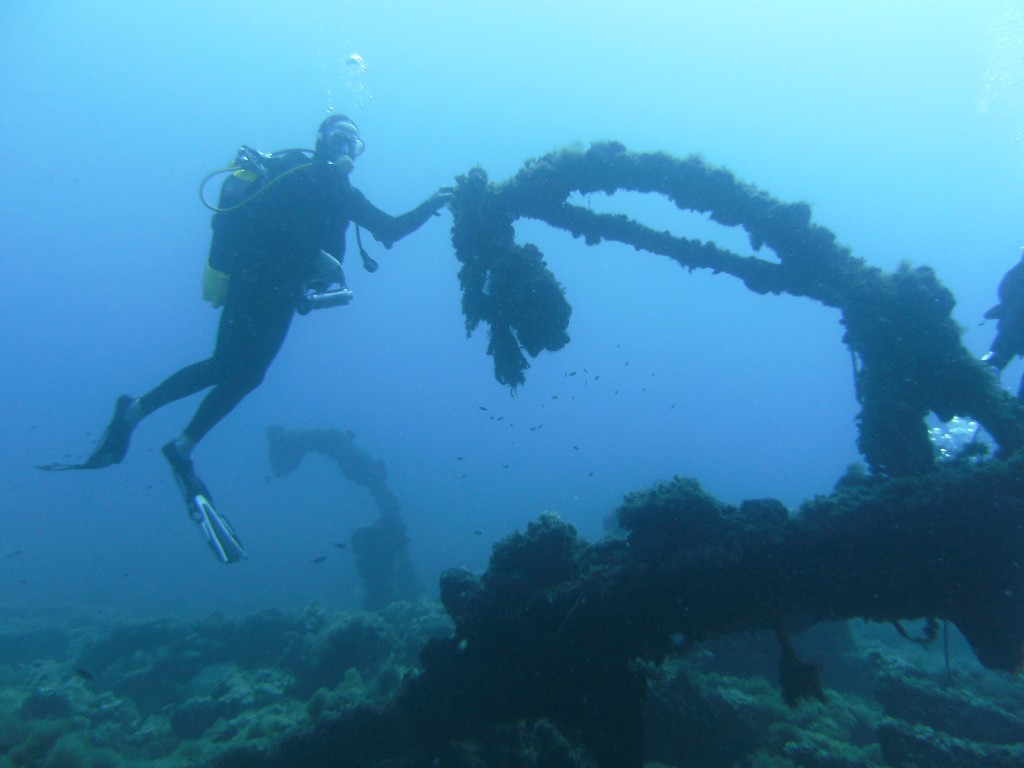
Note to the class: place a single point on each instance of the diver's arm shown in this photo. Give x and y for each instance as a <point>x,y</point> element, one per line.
<point>388,229</point>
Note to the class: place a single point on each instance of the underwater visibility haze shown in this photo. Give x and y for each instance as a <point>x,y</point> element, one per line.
<point>898,124</point>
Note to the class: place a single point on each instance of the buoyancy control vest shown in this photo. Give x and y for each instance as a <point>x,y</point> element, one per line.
<point>249,174</point>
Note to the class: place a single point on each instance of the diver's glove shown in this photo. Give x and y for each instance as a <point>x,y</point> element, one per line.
<point>441,199</point>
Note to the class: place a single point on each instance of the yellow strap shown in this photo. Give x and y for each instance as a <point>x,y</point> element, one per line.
<point>215,286</point>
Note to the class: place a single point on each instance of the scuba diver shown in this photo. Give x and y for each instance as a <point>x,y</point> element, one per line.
<point>277,247</point>
<point>1009,317</point>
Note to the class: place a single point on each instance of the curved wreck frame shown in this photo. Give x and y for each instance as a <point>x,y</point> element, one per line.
<point>909,357</point>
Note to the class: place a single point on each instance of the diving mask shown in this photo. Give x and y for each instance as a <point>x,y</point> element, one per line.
<point>340,143</point>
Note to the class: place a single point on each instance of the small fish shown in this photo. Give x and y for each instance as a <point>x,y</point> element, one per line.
<point>84,673</point>
<point>575,447</point>
<point>15,553</point>
<point>318,560</point>
<point>483,407</point>
<point>554,397</point>
<point>460,458</point>
<point>590,474</point>
<point>571,373</point>
<point>339,545</point>
<point>627,363</point>
<point>478,533</point>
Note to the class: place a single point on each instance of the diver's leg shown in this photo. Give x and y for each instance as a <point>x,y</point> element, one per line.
<point>245,348</point>
<point>189,380</point>
<point>220,401</point>
<point>114,442</point>
<point>129,411</point>
<point>248,340</point>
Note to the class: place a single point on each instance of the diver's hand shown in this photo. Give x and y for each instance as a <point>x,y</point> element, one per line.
<point>441,198</point>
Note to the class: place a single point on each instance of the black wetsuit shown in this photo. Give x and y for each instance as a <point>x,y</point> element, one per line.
<point>269,246</point>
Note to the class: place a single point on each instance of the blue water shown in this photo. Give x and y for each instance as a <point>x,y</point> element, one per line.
<point>898,122</point>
